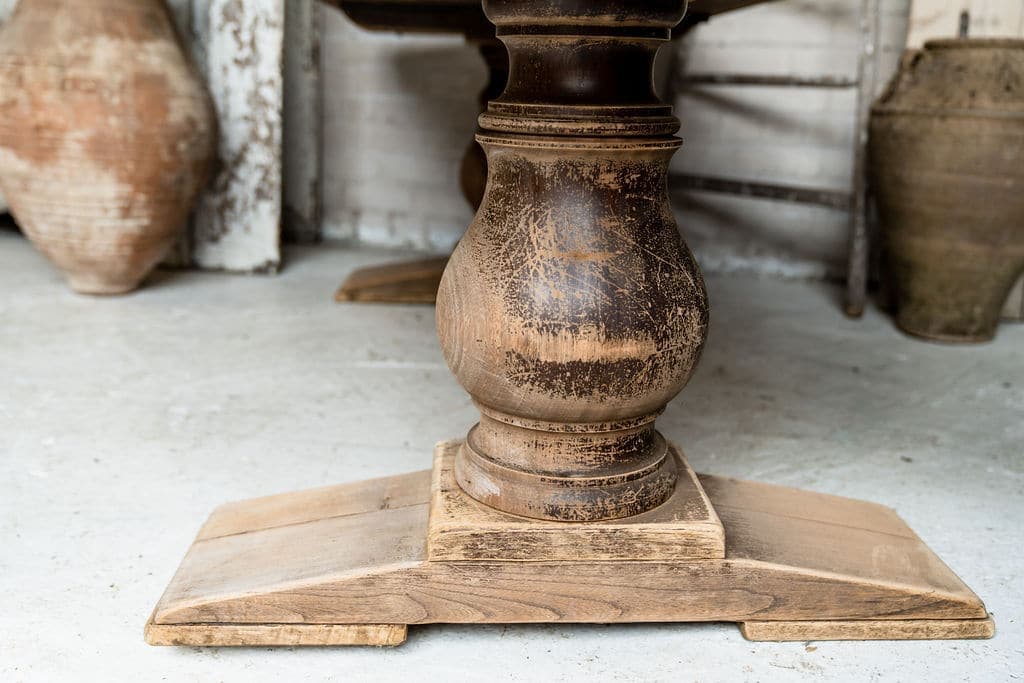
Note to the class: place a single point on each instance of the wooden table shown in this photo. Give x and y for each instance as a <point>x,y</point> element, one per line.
<point>571,312</point>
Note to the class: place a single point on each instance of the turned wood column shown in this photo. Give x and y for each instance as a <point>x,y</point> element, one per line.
<point>572,311</point>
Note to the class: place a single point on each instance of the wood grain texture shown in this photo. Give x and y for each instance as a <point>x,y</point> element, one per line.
<point>572,311</point>
<point>909,629</point>
<point>790,556</point>
<point>315,504</point>
<point>254,635</point>
<point>461,528</point>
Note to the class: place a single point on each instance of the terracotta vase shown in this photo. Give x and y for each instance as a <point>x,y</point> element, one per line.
<point>947,165</point>
<point>106,135</point>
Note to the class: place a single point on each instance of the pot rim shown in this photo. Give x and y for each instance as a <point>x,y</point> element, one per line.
<point>974,43</point>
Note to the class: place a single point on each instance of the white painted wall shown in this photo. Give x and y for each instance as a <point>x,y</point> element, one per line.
<point>400,109</point>
<point>399,112</point>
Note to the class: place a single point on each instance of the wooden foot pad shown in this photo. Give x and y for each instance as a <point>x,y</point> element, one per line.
<point>879,629</point>
<point>797,565</point>
<point>409,282</point>
<point>685,526</point>
<point>253,635</point>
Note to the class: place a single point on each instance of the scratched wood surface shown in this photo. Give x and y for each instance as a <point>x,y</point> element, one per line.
<point>360,557</point>
<point>549,313</point>
<point>910,629</point>
<point>284,635</point>
<point>685,526</point>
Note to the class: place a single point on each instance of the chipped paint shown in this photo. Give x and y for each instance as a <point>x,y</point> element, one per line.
<point>237,222</point>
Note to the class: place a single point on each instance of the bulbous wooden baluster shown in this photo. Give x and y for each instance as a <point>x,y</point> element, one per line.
<point>572,311</point>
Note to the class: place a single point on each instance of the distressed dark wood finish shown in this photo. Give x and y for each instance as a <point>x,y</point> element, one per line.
<point>572,311</point>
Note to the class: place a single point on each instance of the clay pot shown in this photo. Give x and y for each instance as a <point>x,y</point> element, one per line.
<point>106,135</point>
<point>947,165</point>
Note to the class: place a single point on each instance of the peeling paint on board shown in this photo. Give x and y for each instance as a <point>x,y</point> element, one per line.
<point>237,223</point>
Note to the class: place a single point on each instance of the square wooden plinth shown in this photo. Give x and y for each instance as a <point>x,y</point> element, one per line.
<point>350,565</point>
<point>684,527</point>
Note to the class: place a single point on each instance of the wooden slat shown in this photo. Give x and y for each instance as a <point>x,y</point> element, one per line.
<point>911,629</point>
<point>316,504</point>
<point>252,635</point>
<point>408,282</point>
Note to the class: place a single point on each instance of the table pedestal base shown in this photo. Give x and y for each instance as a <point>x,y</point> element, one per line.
<point>356,564</point>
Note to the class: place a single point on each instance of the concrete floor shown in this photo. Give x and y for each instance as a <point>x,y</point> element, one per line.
<point>123,422</point>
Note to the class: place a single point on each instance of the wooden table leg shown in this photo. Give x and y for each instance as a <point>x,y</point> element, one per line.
<point>572,312</point>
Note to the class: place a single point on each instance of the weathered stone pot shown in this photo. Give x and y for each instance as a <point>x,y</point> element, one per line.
<point>106,135</point>
<point>947,165</point>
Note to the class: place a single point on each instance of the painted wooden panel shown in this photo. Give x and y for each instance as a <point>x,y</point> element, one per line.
<point>237,223</point>
<point>399,112</point>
